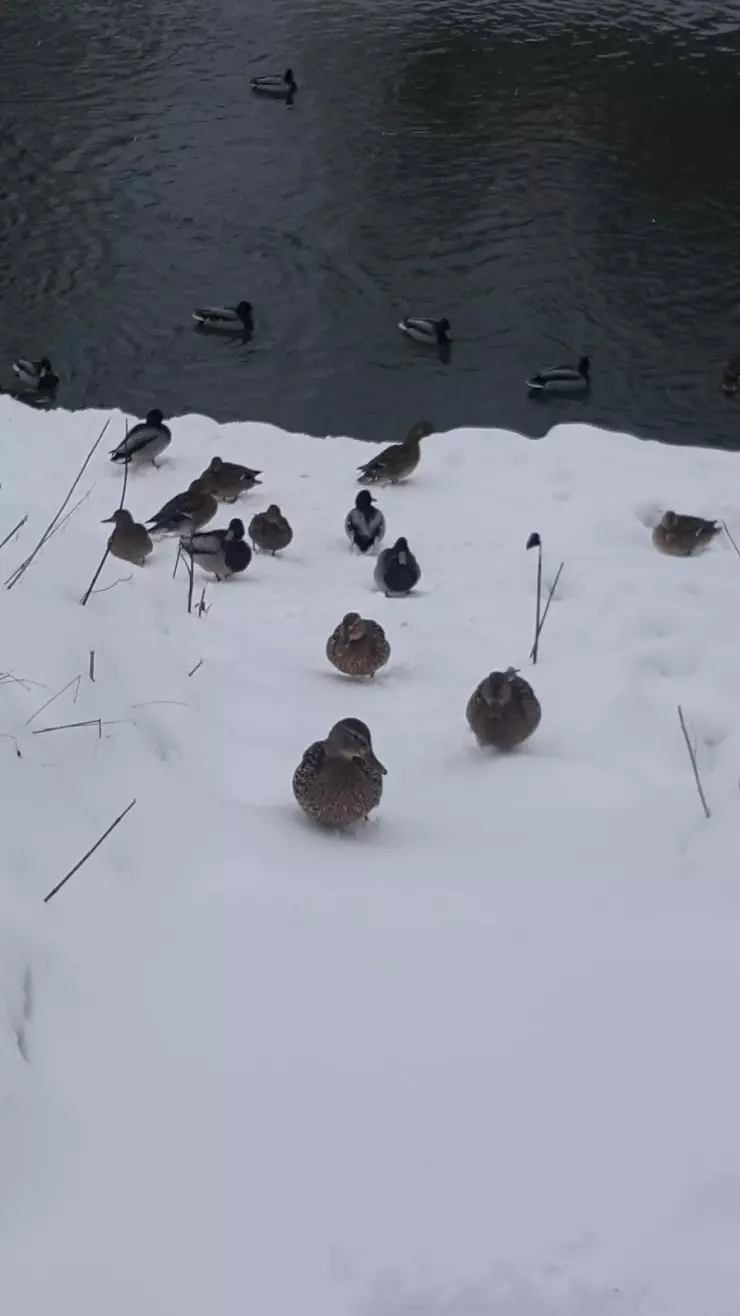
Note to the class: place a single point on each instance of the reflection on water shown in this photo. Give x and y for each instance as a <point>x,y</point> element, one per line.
<point>556,177</point>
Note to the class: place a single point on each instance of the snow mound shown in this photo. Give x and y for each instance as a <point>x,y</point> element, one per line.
<point>476,1058</point>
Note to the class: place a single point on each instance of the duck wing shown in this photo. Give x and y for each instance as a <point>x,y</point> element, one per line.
<point>224,314</point>
<point>26,369</point>
<point>379,465</point>
<point>136,439</point>
<point>555,375</point>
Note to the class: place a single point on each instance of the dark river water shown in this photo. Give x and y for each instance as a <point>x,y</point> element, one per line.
<point>555,176</point>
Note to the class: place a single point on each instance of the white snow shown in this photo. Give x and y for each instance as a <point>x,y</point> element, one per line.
<point>478,1058</point>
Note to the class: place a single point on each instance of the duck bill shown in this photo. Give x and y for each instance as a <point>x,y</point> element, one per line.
<point>377,763</point>
<point>108,520</point>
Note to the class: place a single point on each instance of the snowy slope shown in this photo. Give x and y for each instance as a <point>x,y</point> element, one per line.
<point>477,1059</point>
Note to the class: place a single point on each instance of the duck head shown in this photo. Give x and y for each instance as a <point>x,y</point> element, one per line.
<point>354,627</point>
<point>289,79</point>
<point>350,740</point>
<point>364,501</point>
<point>215,465</point>
<point>44,366</point>
<point>421,430</point>
<point>401,550</point>
<point>274,514</point>
<point>584,366</point>
<point>669,521</point>
<point>244,311</point>
<point>442,330</point>
<point>236,529</point>
<point>154,417</point>
<point>121,517</point>
<point>496,689</point>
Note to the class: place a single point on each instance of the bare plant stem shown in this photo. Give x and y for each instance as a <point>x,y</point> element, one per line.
<point>75,681</point>
<point>177,559</point>
<point>104,558</point>
<point>67,726</point>
<point>16,575</point>
<point>695,769</point>
<point>538,606</point>
<point>189,565</point>
<point>553,587</point>
<point>15,530</point>
<point>193,670</point>
<point>724,524</point>
<point>202,604</point>
<point>91,851</point>
<point>91,668</point>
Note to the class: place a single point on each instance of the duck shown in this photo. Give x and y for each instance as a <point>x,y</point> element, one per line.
<point>227,480</point>
<point>358,646</point>
<point>680,536</point>
<point>433,333</point>
<point>731,375</point>
<point>339,780</point>
<point>364,525</point>
<point>186,511</point>
<point>396,570</point>
<point>145,442</point>
<point>222,552</point>
<point>270,531</point>
<point>226,319</point>
<point>562,379</point>
<point>36,375</point>
<point>503,710</point>
<point>282,86</point>
<point>129,541</point>
<point>399,460</point>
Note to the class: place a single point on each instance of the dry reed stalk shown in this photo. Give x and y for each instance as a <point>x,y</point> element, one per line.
<point>15,530</point>
<point>694,767</point>
<point>91,851</point>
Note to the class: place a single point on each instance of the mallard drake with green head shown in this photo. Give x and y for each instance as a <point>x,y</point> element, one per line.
<point>186,512</point>
<point>36,375</point>
<point>129,541</point>
<point>228,480</point>
<point>399,460</point>
<point>680,536</point>
<point>281,86</point>
<point>364,525</point>
<point>222,552</point>
<point>433,333</point>
<point>503,710</point>
<point>339,780</point>
<point>358,646</point>
<point>225,319</point>
<point>270,531</point>
<point>397,571</point>
<point>562,379</point>
<point>145,442</point>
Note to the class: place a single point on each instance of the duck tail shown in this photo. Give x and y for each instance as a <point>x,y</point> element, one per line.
<point>536,383</point>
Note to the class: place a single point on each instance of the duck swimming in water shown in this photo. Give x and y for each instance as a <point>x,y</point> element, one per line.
<point>222,552</point>
<point>145,442</point>
<point>562,379</point>
<point>225,319</point>
<point>434,333</point>
<point>281,86</point>
<point>36,375</point>
<point>364,525</point>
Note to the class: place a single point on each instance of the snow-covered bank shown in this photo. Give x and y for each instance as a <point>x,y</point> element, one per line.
<point>475,1060</point>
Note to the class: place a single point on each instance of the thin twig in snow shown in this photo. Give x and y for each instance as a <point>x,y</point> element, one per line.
<point>67,726</point>
<point>193,670</point>
<point>91,851</point>
<point>692,756</point>
<point>724,525</point>
<point>75,681</point>
<point>91,668</point>
<point>177,559</point>
<point>202,604</point>
<point>16,575</point>
<point>90,589</point>
<point>553,587</point>
<point>189,565</point>
<point>122,580</point>
<point>6,735</point>
<point>15,530</point>
<point>149,703</point>
<point>535,541</point>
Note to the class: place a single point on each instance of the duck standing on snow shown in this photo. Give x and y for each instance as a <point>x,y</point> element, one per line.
<point>225,319</point>
<point>36,376</point>
<point>186,512</point>
<point>222,552</point>
<point>339,780</point>
<point>562,379</point>
<point>364,526</point>
<point>270,531</point>
<point>129,541</point>
<point>358,647</point>
<point>396,570</point>
<point>145,442</point>
<point>680,536</point>
<point>503,710</point>
<point>227,480</point>
<point>433,333</point>
<point>399,460</point>
<point>281,86</point>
